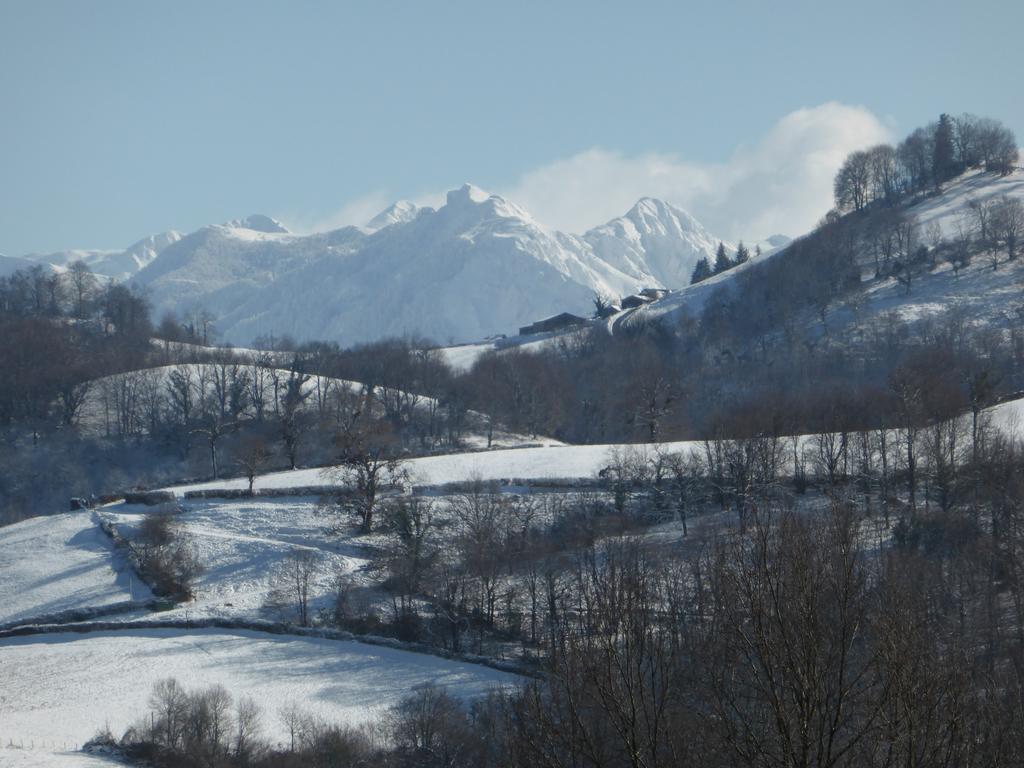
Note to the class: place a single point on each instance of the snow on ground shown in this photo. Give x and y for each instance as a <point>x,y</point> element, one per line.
<point>690,300</point>
<point>46,756</point>
<point>463,356</point>
<point>245,354</point>
<point>1009,417</point>
<point>61,688</point>
<point>988,295</point>
<point>60,563</point>
<point>242,543</point>
<point>947,207</point>
<point>548,462</point>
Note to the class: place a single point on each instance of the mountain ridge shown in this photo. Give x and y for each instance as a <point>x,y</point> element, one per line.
<point>478,265</point>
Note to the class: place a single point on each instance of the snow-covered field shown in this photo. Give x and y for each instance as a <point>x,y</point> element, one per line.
<point>59,563</point>
<point>46,756</point>
<point>548,462</point>
<point>62,688</point>
<point>242,543</point>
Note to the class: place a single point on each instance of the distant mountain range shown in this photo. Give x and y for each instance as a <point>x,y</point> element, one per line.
<point>476,266</point>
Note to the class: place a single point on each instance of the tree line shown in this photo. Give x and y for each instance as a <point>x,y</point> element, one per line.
<point>723,262</point>
<point>924,160</point>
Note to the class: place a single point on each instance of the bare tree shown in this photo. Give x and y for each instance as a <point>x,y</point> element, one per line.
<point>253,456</point>
<point>792,682</point>
<point>1008,224</point>
<point>367,460</point>
<point>411,553</point>
<point>853,182</point>
<point>181,393</point>
<point>429,726</point>
<point>83,287</point>
<point>981,212</point>
<point>884,173</point>
<point>996,146</point>
<point>214,429</point>
<point>960,248</point>
<point>246,744</point>
<point>292,582</point>
<point>293,423</point>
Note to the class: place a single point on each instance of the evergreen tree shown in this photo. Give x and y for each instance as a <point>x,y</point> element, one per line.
<point>722,260</point>
<point>701,272</point>
<point>943,163</point>
<point>742,254</point>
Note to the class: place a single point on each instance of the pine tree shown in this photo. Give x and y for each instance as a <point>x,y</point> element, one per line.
<point>742,254</point>
<point>702,271</point>
<point>943,164</point>
<point>722,260</point>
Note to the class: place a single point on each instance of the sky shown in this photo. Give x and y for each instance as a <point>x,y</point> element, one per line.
<point>122,119</point>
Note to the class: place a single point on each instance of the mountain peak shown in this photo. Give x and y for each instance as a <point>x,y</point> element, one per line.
<point>467,193</point>
<point>259,223</point>
<point>654,208</point>
<point>398,212</point>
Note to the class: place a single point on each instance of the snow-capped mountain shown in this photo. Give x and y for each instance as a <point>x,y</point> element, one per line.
<point>115,264</point>
<point>476,266</point>
<point>11,264</point>
<point>220,267</point>
<point>397,213</point>
<point>258,223</point>
<point>654,242</point>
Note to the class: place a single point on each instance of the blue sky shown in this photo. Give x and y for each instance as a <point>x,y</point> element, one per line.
<point>120,119</point>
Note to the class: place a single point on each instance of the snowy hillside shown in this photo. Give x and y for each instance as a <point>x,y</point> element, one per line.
<point>477,266</point>
<point>986,295</point>
<point>241,543</point>
<point>107,404</point>
<point>60,563</point>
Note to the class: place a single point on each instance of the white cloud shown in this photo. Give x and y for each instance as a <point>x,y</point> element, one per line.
<point>782,183</point>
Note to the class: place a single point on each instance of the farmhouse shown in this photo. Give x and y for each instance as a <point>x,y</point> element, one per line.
<point>636,300</point>
<point>554,323</point>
